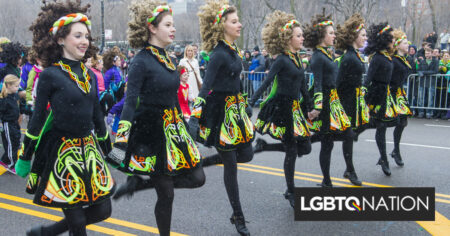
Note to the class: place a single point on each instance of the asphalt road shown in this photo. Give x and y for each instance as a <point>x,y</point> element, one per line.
<point>205,211</point>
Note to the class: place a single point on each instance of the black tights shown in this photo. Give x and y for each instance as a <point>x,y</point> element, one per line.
<point>398,133</point>
<point>380,138</point>
<point>326,146</point>
<point>164,186</point>
<point>230,160</point>
<point>347,149</point>
<point>292,149</point>
<point>76,219</point>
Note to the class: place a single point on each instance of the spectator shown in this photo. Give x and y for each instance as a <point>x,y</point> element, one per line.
<point>257,65</point>
<point>432,39</point>
<point>204,59</point>
<point>445,37</point>
<point>26,68</point>
<point>442,100</point>
<point>427,83</point>
<point>436,53</point>
<point>421,52</point>
<point>411,58</point>
<point>191,64</point>
<point>196,55</point>
<point>184,93</point>
<point>247,60</point>
<point>178,54</point>
<point>269,62</point>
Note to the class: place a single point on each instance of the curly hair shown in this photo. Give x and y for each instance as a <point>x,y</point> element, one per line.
<point>11,53</point>
<point>45,44</point>
<point>275,40</point>
<point>108,58</point>
<point>96,60</point>
<point>376,41</point>
<point>138,32</point>
<point>346,34</point>
<point>210,33</point>
<point>313,35</point>
<point>398,34</point>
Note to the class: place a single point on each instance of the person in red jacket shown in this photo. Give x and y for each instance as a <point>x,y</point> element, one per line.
<point>184,93</point>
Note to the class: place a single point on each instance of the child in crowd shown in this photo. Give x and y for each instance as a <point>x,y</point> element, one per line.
<point>9,116</point>
<point>184,93</point>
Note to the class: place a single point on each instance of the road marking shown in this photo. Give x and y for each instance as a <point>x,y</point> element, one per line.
<point>440,226</point>
<point>109,220</point>
<point>412,144</point>
<point>444,126</point>
<point>58,218</point>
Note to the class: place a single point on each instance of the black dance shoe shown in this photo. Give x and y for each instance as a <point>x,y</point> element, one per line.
<point>384,166</point>
<point>398,158</point>
<point>239,222</point>
<point>36,231</point>
<point>290,197</point>
<point>259,147</point>
<point>326,184</point>
<point>352,177</point>
<point>129,187</point>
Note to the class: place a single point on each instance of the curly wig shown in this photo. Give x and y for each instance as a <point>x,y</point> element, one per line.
<point>275,40</point>
<point>347,34</point>
<point>377,41</point>
<point>210,33</point>
<point>44,43</point>
<point>108,58</point>
<point>138,32</point>
<point>11,53</point>
<point>313,35</point>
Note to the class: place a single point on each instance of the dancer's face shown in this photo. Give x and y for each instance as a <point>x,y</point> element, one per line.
<point>328,40</point>
<point>403,46</point>
<point>76,43</point>
<point>164,33</point>
<point>296,42</point>
<point>232,26</point>
<point>362,38</point>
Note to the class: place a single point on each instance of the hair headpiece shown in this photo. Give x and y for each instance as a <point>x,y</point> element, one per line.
<point>359,28</point>
<point>220,14</point>
<point>70,18</point>
<point>384,29</point>
<point>289,25</point>
<point>398,41</point>
<point>324,23</point>
<point>159,9</point>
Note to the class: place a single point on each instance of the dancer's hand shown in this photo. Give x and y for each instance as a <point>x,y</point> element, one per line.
<point>313,114</point>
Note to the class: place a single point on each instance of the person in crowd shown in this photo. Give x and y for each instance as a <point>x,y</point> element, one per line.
<point>427,83</point>
<point>191,64</point>
<point>256,67</point>
<point>9,116</point>
<point>184,92</point>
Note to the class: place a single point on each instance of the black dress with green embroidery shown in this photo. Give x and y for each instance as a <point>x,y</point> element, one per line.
<point>224,123</point>
<point>281,115</point>
<point>400,73</point>
<point>159,142</point>
<point>332,118</point>
<point>74,171</point>
<point>379,98</point>
<point>349,88</point>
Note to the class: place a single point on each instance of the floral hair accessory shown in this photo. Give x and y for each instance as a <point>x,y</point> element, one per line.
<point>324,23</point>
<point>384,29</point>
<point>359,28</point>
<point>289,25</point>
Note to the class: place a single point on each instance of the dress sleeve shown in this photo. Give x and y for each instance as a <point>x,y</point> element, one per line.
<point>317,70</point>
<point>305,94</point>
<point>44,90</point>
<point>136,77</point>
<point>373,67</point>
<point>215,62</point>
<point>276,68</point>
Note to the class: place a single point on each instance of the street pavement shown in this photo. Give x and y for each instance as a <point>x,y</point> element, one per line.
<point>206,211</point>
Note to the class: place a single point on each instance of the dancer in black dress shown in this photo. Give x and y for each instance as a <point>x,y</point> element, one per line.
<point>350,37</point>
<point>73,138</point>
<point>219,113</point>
<point>281,115</point>
<point>154,132</point>
<point>400,73</point>
<point>328,117</point>
<point>379,98</point>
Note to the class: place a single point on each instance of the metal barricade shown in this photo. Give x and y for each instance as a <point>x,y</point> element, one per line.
<point>428,94</point>
<point>252,81</point>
